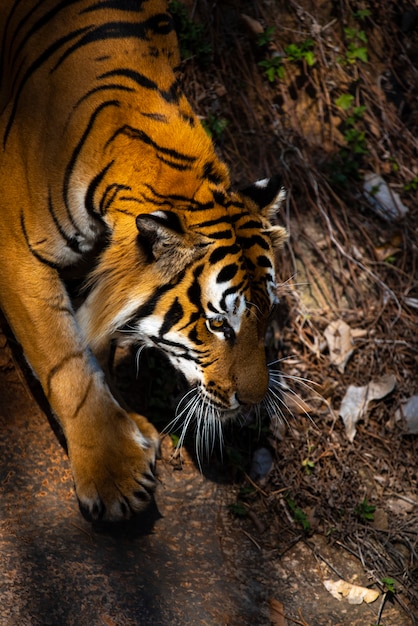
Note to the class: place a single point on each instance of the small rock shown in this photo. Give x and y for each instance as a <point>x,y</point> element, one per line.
<point>261,464</point>
<point>385,202</point>
<point>410,413</point>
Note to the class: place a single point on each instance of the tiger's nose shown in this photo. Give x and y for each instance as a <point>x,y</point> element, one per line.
<point>254,394</point>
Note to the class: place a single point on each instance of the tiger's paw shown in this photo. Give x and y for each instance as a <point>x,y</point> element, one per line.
<point>115,475</point>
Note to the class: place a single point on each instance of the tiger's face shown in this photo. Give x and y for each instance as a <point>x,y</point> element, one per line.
<point>207,288</point>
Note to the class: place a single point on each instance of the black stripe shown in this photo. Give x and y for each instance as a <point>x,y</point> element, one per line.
<point>176,166</point>
<point>236,289</point>
<point>135,133</point>
<point>194,337</point>
<point>160,24</point>
<point>77,150</point>
<point>35,65</point>
<point>227,273</point>
<point>251,224</point>
<point>148,307</point>
<point>160,341</point>
<point>193,205</point>
<point>224,219</point>
<point>172,317</point>
<point>91,189</point>
<point>264,261</point>
<point>109,195</point>
<point>219,234</point>
<point>120,5</point>
<point>221,252</point>
<point>157,117</point>
<point>40,23</point>
<point>254,240</point>
<point>210,173</point>
<point>172,95</point>
<point>83,399</point>
<point>37,256</point>
<point>53,371</point>
<point>71,242</point>
<point>109,87</point>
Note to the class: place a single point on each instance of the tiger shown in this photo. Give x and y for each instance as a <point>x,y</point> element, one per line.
<point>105,169</point>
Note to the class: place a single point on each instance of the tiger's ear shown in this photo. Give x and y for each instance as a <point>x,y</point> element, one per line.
<point>162,238</point>
<point>267,195</point>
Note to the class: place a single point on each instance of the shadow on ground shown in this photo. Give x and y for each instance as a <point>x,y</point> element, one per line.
<point>188,562</point>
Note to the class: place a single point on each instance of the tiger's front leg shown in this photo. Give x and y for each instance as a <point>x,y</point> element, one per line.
<point>112,453</point>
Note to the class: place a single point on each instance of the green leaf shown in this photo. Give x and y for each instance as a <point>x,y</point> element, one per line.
<point>266,37</point>
<point>344,101</point>
<point>238,509</point>
<point>310,58</point>
<point>390,584</point>
<point>358,111</point>
<point>350,33</point>
<point>354,53</point>
<point>362,36</point>
<point>362,13</point>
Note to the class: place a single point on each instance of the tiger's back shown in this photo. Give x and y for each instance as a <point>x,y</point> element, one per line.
<point>101,151</point>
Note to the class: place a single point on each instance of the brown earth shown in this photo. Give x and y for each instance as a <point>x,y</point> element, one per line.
<point>244,551</point>
<point>187,562</point>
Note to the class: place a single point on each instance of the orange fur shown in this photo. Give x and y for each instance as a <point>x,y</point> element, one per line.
<point>102,156</point>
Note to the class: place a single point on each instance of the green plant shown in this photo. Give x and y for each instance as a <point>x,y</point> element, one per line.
<point>365,511</point>
<point>266,36</point>
<point>214,126</point>
<point>298,514</point>
<point>238,509</point>
<point>308,465</point>
<point>273,67</point>
<point>389,584</point>
<point>412,185</point>
<point>294,53</point>
<point>191,36</point>
<point>301,52</point>
<point>355,50</point>
<point>347,163</point>
<point>361,14</point>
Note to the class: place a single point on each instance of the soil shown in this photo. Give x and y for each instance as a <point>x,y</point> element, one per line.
<point>187,561</point>
<point>225,546</point>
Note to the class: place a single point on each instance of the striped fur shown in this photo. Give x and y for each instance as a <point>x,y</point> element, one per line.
<point>105,167</point>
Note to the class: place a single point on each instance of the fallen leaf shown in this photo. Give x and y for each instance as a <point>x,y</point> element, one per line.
<point>277,617</point>
<point>354,594</point>
<point>356,401</point>
<point>410,413</point>
<point>340,344</point>
<point>380,519</point>
<point>255,27</point>
<point>386,251</point>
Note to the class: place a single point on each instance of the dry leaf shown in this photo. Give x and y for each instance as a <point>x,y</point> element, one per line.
<point>356,401</point>
<point>277,617</point>
<point>386,251</point>
<point>340,344</point>
<point>410,413</point>
<point>354,594</point>
<point>254,26</point>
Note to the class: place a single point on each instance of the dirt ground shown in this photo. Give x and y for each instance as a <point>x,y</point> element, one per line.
<point>230,547</point>
<point>188,561</point>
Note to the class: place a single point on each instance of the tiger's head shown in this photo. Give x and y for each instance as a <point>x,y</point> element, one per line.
<point>201,287</point>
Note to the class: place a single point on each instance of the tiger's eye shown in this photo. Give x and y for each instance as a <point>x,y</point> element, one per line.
<point>217,325</point>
